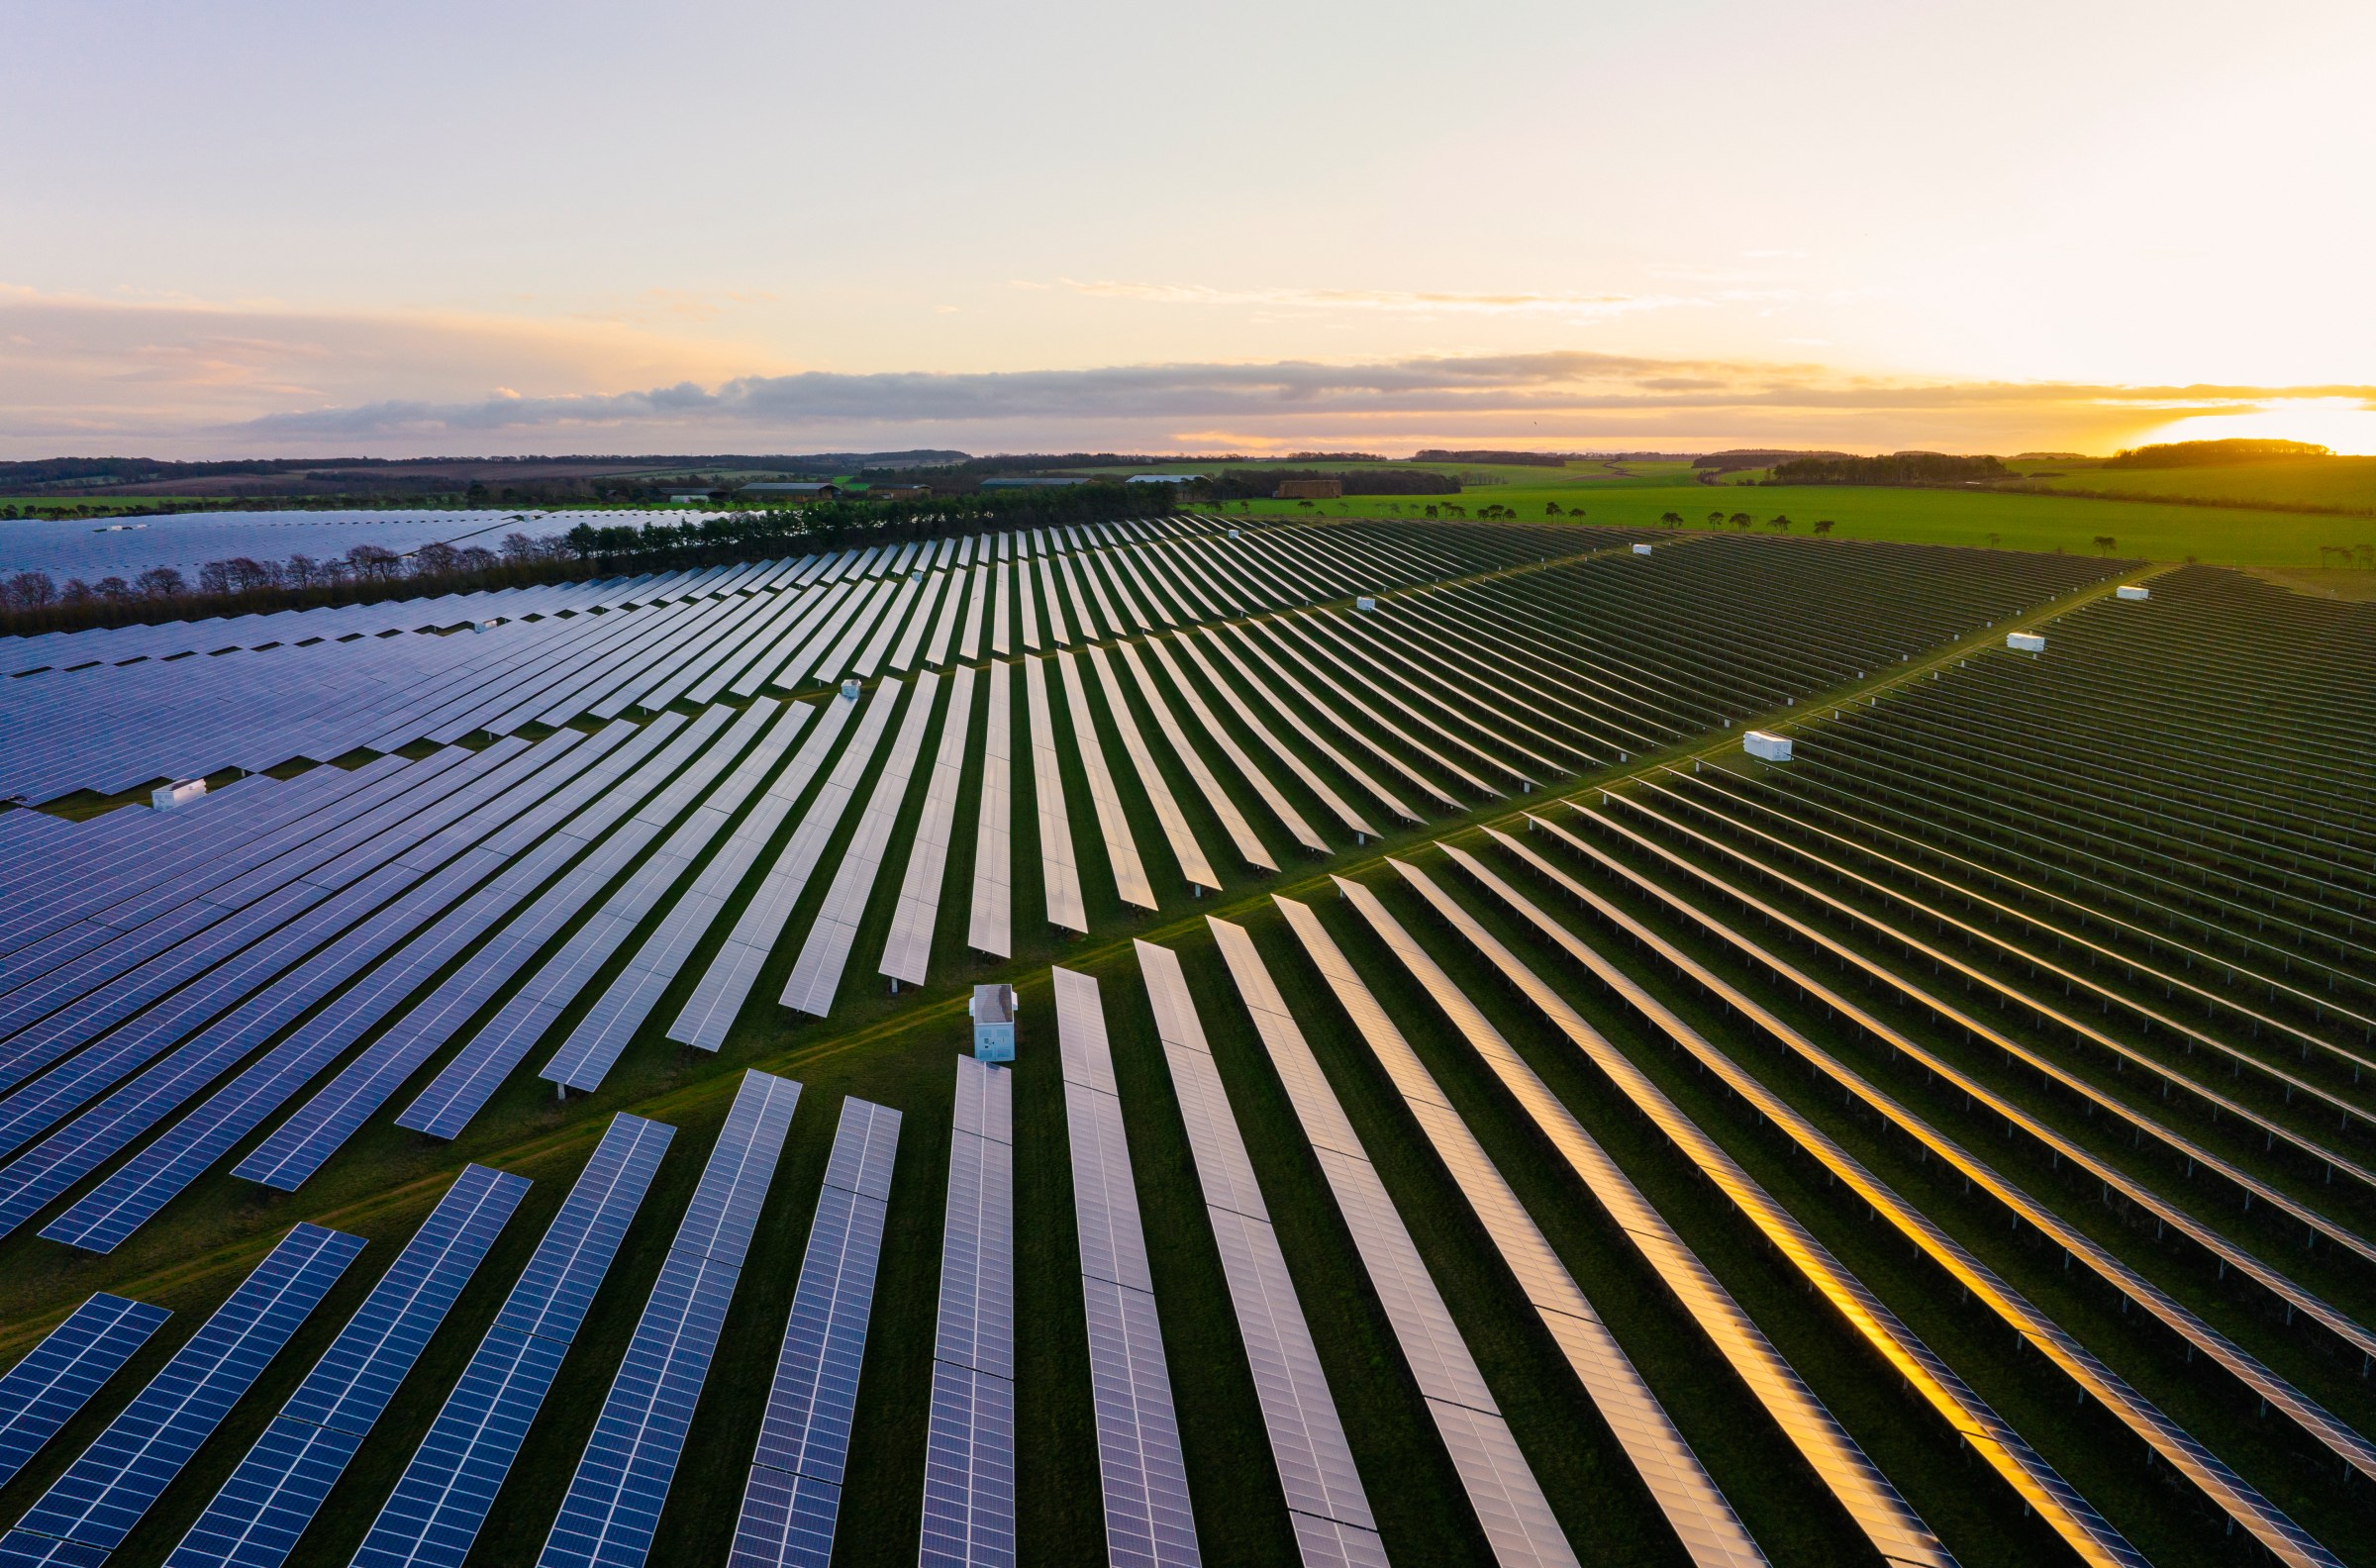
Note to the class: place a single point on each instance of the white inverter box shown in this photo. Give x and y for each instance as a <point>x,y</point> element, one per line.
<point>993,1010</point>
<point>1768,748</point>
<point>173,795</point>
<point>1642,550</point>
<point>2131,591</point>
<point>2024,641</point>
<point>1366,602</point>
<point>849,690</point>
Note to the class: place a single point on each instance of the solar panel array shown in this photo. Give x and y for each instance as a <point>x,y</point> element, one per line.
<point>613,1506</point>
<point>825,953</point>
<point>969,1457</point>
<point>718,997</point>
<point>255,1519</point>
<point>1511,1508</point>
<point>88,1512</point>
<point>1325,1501</point>
<point>1149,1516</point>
<point>170,982</point>
<point>58,1376</point>
<point>989,925</point>
<point>907,952</point>
<point>1702,1519</point>
<point>793,1498</point>
<point>442,1499</point>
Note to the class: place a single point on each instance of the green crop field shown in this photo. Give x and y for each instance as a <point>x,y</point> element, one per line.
<point>2347,484</point>
<point>2025,516</point>
<point>1999,1063</point>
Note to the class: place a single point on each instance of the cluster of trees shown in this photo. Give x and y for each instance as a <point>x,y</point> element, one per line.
<point>1528,460</point>
<point>2213,453</point>
<point>1897,468</point>
<point>1243,484</point>
<point>2361,555</point>
<point>847,519</point>
<point>249,583</point>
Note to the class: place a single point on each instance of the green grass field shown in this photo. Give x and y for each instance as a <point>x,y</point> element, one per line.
<point>2033,518</point>
<point>2347,482</point>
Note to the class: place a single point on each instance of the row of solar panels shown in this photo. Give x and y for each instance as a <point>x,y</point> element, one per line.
<point>442,1499</point>
<point>728,629</point>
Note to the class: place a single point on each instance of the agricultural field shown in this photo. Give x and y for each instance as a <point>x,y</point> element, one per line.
<point>2013,517</point>
<point>1464,1110</point>
<point>2346,484</point>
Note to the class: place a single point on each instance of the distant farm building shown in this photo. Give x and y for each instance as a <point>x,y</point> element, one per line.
<point>1308,490</point>
<point>1170,480</point>
<point>791,490</point>
<point>1030,482</point>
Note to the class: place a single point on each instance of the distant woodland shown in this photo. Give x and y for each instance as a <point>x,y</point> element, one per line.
<point>1253,484</point>
<point>2214,453</point>
<point>1897,468</point>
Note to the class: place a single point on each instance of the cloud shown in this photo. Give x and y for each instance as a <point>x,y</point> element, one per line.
<point>1563,383</point>
<point>172,377</point>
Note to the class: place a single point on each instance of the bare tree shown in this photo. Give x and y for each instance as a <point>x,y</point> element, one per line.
<point>374,563</point>
<point>29,590</point>
<point>159,582</point>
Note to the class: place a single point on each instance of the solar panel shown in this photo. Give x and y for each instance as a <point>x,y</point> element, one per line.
<point>94,1505</point>
<point>58,1376</point>
<point>442,1497</point>
<point>613,1505</point>
<point>1149,1519</point>
<point>1004,614</point>
<point>299,1146</point>
<point>257,1518</point>
<point>825,953</point>
<point>908,952</point>
<point>1059,873</point>
<point>793,1496</point>
<point>1680,1484</point>
<point>989,925</point>
<point>586,1056</point>
<point>710,1012</point>
<point>1510,1506</point>
<point>1026,609</point>
<point>1113,823</point>
<point>1210,725</point>
<point>457,1092</point>
<point>1315,1465</point>
<point>1182,838</point>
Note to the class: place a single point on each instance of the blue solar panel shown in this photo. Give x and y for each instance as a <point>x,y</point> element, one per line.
<point>255,1519</point>
<point>99,1498</point>
<point>442,1497</point>
<point>612,1507</point>
<point>58,1376</point>
<point>794,1491</point>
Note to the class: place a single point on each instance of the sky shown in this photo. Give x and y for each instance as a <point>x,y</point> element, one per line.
<point>264,227</point>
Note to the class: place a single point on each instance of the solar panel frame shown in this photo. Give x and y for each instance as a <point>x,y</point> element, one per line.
<point>825,952</point>
<point>58,1376</point>
<point>258,1517</point>
<point>1309,1450</point>
<point>907,949</point>
<point>1059,872</point>
<point>96,1503</point>
<point>1508,1503</point>
<point>437,1506</point>
<point>612,1508</point>
<point>792,1497</point>
<point>1149,1516</point>
<point>1113,823</point>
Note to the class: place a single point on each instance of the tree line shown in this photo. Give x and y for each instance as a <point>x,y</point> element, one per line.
<point>33,602</point>
<point>1895,468</point>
